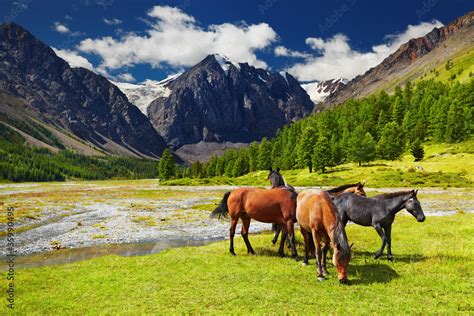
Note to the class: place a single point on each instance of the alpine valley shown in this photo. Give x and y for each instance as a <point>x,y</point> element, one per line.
<point>215,105</point>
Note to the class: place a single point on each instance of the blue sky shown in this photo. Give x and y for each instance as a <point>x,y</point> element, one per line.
<point>313,40</point>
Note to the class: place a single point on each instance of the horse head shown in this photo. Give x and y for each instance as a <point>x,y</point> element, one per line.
<point>342,253</point>
<point>413,206</point>
<point>276,179</point>
<point>359,189</point>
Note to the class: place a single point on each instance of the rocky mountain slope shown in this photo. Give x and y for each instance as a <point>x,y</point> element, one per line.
<point>412,60</point>
<point>219,100</point>
<point>71,100</point>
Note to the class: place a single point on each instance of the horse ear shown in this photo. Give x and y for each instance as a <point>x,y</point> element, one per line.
<point>278,169</point>
<point>270,169</point>
<point>416,192</point>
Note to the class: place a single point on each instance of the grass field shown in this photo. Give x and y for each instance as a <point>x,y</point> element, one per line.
<point>432,273</point>
<point>444,165</point>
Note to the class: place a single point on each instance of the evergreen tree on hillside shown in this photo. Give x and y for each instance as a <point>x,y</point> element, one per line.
<point>391,143</point>
<point>166,165</point>
<point>457,122</point>
<point>361,146</point>
<point>264,154</point>
<point>417,150</point>
<point>305,148</point>
<point>322,157</point>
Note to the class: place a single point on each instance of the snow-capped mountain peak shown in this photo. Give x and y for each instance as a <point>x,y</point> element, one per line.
<point>225,62</point>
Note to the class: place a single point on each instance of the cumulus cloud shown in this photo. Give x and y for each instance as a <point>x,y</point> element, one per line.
<point>127,77</point>
<point>334,57</point>
<point>175,38</point>
<point>73,58</point>
<point>113,21</point>
<point>61,28</point>
<point>285,52</point>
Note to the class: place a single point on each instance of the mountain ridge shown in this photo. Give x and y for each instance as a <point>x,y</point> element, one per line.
<point>410,60</point>
<point>76,100</point>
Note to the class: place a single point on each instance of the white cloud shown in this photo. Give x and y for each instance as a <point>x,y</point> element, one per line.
<point>127,77</point>
<point>113,21</point>
<point>175,38</point>
<point>73,58</point>
<point>334,57</point>
<point>285,52</point>
<point>61,28</point>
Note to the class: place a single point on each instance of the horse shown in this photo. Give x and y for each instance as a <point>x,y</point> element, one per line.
<point>264,205</point>
<point>319,220</point>
<point>379,212</point>
<point>277,180</point>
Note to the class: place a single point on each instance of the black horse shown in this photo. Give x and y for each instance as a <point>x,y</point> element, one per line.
<point>378,212</point>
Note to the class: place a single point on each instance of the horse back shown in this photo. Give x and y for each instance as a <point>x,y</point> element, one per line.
<point>266,205</point>
<point>315,210</point>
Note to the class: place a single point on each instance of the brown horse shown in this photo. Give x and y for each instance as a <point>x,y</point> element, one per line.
<point>318,219</point>
<point>276,179</point>
<point>268,206</point>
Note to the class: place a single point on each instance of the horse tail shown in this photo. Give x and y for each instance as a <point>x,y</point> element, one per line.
<point>222,210</point>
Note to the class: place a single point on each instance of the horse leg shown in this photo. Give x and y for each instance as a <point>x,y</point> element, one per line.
<point>325,253</point>
<point>388,234</point>
<point>277,230</point>
<point>284,235</point>
<point>233,224</point>
<point>291,232</point>
<point>318,255</point>
<point>306,245</point>
<point>245,232</point>
<point>381,233</point>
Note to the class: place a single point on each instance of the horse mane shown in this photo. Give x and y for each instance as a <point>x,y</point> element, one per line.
<point>343,187</point>
<point>340,238</point>
<point>392,194</point>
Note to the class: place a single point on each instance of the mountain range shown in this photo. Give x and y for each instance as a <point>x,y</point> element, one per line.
<point>214,105</point>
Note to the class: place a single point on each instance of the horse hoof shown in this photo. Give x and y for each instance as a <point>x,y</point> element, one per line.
<point>344,281</point>
<point>377,256</point>
<point>305,264</point>
<point>390,258</point>
<point>232,253</point>
<point>321,279</point>
<point>282,255</point>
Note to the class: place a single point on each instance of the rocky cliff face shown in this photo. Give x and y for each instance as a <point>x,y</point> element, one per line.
<point>398,65</point>
<point>74,99</point>
<point>219,100</point>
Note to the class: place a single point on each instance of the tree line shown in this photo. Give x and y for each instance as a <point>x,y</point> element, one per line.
<point>378,126</point>
<point>19,163</point>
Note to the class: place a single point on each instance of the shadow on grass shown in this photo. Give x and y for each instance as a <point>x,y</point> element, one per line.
<point>367,255</point>
<point>371,273</point>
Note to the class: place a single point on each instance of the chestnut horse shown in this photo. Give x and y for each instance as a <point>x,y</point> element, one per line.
<point>318,219</point>
<point>276,179</point>
<point>264,205</point>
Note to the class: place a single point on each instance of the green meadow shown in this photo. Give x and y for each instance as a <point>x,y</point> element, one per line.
<point>432,274</point>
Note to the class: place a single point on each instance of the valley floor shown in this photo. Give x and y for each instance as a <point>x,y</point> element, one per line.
<point>432,273</point>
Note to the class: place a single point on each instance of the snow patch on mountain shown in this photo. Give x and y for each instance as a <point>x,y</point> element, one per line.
<point>142,94</point>
<point>225,62</point>
<point>318,91</point>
